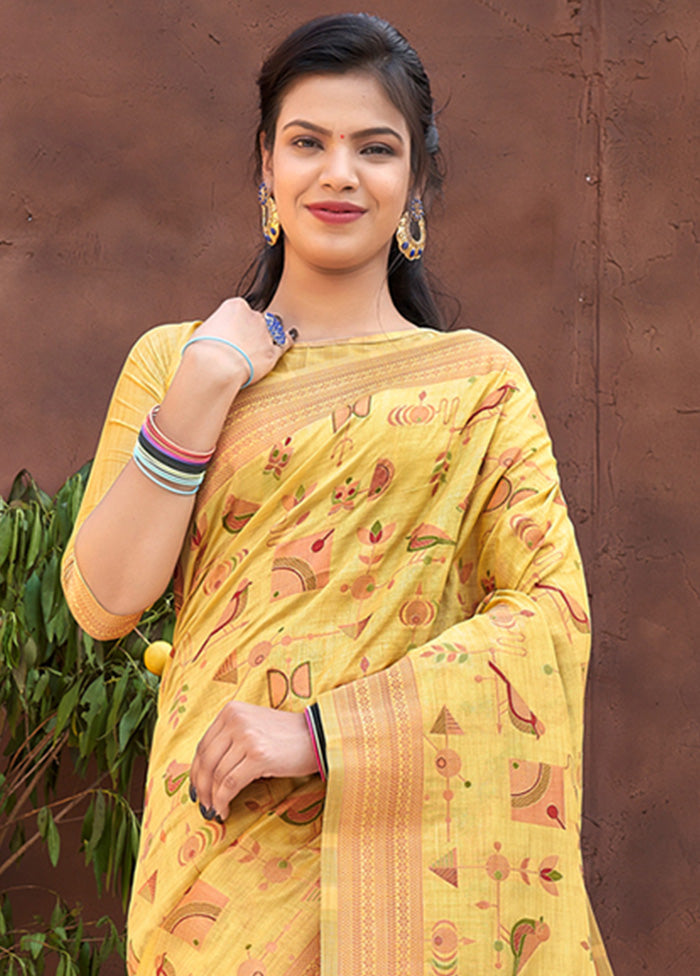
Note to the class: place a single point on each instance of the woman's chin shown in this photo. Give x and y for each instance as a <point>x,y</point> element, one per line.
<point>338,257</point>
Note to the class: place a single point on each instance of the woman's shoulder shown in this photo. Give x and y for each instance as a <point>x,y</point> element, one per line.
<point>477,351</point>
<point>157,351</point>
<point>165,339</point>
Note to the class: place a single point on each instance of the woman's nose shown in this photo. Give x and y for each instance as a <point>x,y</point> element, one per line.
<point>338,170</point>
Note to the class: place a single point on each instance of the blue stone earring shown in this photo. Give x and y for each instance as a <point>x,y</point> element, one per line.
<point>270,217</point>
<point>412,247</point>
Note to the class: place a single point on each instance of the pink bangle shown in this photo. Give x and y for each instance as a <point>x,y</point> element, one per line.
<point>164,443</point>
<point>312,735</point>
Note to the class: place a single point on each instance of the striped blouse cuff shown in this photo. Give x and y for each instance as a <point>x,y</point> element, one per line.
<point>318,739</point>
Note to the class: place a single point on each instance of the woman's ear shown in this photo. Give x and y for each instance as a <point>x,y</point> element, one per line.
<point>417,191</point>
<point>266,158</point>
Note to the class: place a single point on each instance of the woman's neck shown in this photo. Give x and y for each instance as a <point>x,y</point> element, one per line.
<point>327,305</point>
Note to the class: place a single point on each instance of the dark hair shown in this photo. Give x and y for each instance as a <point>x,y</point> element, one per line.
<point>337,44</point>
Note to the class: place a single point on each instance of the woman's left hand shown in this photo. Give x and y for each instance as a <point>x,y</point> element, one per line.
<point>243,743</point>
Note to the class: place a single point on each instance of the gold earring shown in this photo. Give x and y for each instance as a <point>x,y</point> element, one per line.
<point>270,217</point>
<point>412,247</point>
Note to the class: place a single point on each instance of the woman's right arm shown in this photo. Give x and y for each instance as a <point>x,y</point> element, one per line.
<point>129,531</point>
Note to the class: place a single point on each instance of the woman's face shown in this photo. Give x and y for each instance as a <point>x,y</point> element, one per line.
<point>339,171</point>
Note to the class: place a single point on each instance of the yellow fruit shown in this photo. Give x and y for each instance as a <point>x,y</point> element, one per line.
<point>156,655</point>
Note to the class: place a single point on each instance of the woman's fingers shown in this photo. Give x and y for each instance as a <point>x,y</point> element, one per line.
<point>261,336</point>
<point>232,774</point>
<point>243,743</point>
<point>215,776</point>
<point>211,749</point>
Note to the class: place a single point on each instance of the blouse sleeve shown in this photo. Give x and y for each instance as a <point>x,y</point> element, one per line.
<point>143,381</point>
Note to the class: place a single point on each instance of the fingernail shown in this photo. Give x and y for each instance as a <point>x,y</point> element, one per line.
<point>207,814</point>
<point>293,334</point>
<point>193,793</point>
<point>219,819</point>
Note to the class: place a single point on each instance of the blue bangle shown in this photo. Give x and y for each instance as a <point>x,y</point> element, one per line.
<point>226,342</point>
<point>162,484</point>
<point>164,472</point>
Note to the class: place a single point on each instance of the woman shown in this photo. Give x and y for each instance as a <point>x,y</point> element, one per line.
<point>377,582</point>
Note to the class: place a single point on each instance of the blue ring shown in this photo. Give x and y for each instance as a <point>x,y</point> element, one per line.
<point>275,328</point>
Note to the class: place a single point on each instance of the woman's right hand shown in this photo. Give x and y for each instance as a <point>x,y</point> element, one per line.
<point>235,321</point>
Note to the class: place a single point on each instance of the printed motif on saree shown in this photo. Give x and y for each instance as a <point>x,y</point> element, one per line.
<point>381,531</point>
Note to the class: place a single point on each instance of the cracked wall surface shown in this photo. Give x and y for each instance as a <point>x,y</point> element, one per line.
<point>569,230</point>
<point>646,570</point>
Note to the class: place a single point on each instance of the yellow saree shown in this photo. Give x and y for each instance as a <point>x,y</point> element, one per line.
<point>381,531</point>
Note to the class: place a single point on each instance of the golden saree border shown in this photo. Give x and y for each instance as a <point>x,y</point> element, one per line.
<point>372,900</point>
<point>285,401</point>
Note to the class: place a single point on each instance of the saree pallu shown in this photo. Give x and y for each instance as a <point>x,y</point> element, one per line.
<point>382,532</point>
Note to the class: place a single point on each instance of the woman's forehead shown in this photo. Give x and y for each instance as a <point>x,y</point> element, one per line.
<point>352,100</point>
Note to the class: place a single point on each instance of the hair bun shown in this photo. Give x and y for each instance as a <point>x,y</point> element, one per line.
<point>432,138</point>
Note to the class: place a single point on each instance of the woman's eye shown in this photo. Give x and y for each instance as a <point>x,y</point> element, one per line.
<point>378,150</point>
<point>305,142</point>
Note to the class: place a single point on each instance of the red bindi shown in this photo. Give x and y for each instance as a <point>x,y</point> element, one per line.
<point>342,136</point>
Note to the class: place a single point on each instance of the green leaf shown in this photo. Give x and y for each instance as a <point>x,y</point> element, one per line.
<point>66,707</point>
<point>58,915</point>
<point>84,959</point>
<point>88,644</point>
<point>29,652</point>
<point>111,753</point>
<point>60,621</point>
<point>98,826</point>
<point>19,673</point>
<point>33,943</point>
<point>32,603</point>
<point>96,698</point>
<point>100,859</point>
<point>40,688</point>
<point>9,635</point>
<point>117,699</point>
<point>130,719</point>
<point>16,523</point>
<point>35,537</point>
<point>116,822</point>
<point>53,842</point>
<point>48,586</point>
<point>42,821</point>
<point>6,525</point>
<point>87,822</point>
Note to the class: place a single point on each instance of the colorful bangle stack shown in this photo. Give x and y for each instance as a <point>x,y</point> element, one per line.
<point>166,463</point>
<point>318,738</point>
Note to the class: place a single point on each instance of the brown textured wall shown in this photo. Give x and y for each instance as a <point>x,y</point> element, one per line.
<point>646,570</point>
<point>569,230</point>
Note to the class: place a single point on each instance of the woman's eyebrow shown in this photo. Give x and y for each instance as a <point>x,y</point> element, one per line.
<point>379,130</point>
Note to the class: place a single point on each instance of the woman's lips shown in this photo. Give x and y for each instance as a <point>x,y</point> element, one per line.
<point>335,213</point>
